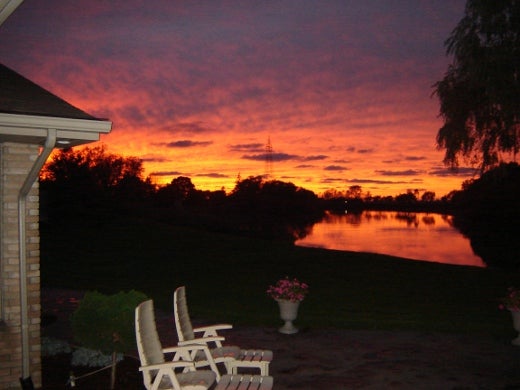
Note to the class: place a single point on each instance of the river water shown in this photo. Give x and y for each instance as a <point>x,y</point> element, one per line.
<point>417,236</point>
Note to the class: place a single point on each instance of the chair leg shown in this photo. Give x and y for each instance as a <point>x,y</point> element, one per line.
<point>229,367</point>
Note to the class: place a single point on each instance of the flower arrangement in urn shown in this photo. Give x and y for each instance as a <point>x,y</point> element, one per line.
<point>288,289</point>
<point>288,293</point>
<point>511,301</point>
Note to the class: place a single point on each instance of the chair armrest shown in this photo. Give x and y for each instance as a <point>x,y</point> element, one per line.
<point>176,364</point>
<point>202,340</point>
<point>211,330</point>
<point>186,347</point>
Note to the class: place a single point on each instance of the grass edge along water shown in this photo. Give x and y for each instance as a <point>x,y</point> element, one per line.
<point>227,276</point>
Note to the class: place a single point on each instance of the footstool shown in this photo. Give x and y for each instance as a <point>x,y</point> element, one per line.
<point>245,382</point>
<point>257,358</point>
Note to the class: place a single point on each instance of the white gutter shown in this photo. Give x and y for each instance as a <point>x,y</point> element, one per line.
<point>50,142</point>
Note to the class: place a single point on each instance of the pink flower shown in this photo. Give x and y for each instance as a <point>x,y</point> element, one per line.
<point>511,301</point>
<point>289,289</point>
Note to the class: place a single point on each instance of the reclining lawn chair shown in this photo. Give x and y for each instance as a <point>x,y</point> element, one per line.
<point>232,356</point>
<point>159,374</point>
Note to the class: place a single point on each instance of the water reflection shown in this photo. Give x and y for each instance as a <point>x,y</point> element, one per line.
<point>418,236</point>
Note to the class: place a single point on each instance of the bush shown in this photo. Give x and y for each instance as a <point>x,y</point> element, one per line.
<point>106,322</point>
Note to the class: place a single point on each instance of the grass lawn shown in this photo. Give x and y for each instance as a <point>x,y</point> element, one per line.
<point>226,278</point>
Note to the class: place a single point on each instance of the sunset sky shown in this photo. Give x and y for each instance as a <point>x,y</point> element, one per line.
<point>342,89</point>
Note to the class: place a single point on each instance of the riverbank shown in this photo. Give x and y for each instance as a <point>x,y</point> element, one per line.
<point>226,277</point>
<point>320,358</point>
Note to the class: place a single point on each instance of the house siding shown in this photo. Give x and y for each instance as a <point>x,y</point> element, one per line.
<point>16,160</point>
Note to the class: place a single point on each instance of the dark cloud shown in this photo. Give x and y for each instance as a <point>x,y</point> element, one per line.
<point>271,157</point>
<point>315,158</point>
<point>167,173</point>
<point>415,158</point>
<point>192,128</point>
<point>253,147</point>
<point>184,144</point>
<point>365,151</point>
<point>408,172</point>
<point>335,168</point>
<point>374,123</point>
<point>302,166</point>
<point>384,182</point>
<point>461,171</point>
<point>371,181</point>
<point>133,113</point>
<point>155,159</point>
<point>333,180</point>
<point>212,175</point>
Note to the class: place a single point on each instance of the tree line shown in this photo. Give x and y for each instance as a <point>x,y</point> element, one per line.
<point>92,180</point>
<point>90,183</point>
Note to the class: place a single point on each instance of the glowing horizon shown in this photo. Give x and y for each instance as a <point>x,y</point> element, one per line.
<point>342,90</point>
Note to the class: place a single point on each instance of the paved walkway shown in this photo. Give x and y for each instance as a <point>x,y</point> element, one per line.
<point>350,359</point>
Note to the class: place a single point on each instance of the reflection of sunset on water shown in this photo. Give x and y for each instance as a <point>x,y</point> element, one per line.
<point>343,89</point>
<point>418,236</point>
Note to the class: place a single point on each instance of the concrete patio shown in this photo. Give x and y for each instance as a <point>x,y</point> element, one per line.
<point>353,359</point>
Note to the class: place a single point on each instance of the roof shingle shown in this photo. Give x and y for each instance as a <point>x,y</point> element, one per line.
<point>19,95</point>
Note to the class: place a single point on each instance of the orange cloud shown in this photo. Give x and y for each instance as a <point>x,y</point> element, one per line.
<point>198,89</point>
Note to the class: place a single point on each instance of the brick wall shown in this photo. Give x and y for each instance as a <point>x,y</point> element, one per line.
<point>16,161</point>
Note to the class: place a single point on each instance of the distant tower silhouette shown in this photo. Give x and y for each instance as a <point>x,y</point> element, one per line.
<point>268,160</point>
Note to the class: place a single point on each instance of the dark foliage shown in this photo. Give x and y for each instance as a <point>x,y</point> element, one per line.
<point>273,209</point>
<point>479,94</point>
<point>92,182</point>
<point>487,211</point>
<point>105,322</point>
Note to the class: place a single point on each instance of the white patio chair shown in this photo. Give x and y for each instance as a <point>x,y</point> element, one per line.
<point>160,374</point>
<point>157,372</point>
<point>232,356</point>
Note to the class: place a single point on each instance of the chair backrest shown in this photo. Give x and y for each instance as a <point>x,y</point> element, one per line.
<point>182,316</point>
<point>148,343</point>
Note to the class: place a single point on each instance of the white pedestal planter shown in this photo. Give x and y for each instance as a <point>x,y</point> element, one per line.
<point>288,313</point>
<point>516,324</point>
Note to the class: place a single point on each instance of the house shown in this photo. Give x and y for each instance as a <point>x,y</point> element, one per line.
<point>33,122</point>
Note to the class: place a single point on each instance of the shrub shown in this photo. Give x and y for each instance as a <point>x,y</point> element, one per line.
<point>106,322</point>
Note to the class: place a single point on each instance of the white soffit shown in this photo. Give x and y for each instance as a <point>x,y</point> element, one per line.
<point>33,129</point>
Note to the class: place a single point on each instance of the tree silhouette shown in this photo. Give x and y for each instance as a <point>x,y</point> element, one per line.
<point>78,180</point>
<point>354,192</point>
<point>428,196</point>
<point>480,92</point>
<point>273,209</point>
<point>486,211</point>
<point>176,193</point>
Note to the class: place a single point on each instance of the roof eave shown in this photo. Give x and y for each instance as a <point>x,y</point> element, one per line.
<point>31,129</point>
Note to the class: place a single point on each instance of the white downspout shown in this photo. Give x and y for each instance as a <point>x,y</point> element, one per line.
<point>50,142</point>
